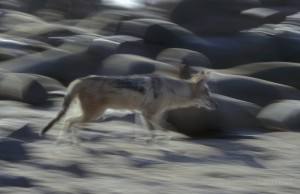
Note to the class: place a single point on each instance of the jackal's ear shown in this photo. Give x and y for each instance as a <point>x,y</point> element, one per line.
<point>199,76</point>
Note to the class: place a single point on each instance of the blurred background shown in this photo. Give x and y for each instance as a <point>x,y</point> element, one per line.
<point>250,46</point>
<point>248,145</point>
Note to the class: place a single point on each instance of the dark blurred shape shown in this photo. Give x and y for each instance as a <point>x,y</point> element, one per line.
<point>283,115</point>
<point>156,31</point>
<point>10,126</point>
<point>229,51</point>
<point>109,21</point>
<point>25,133</point>
<point>15,181</point>
<point>194,122</point>
<point>232,117</point>
<point>211,17</point>
<point>54,10</point>
<point>12,150</point>
<point>125,64</point>
<point>287,3</point>
<point>227,17</point>
<point>288,37</point>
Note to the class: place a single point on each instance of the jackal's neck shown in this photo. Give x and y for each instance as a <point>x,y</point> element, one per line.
<point>182,95</point>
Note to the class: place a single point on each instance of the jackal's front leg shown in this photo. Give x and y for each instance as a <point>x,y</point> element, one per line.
<point>156,122</point>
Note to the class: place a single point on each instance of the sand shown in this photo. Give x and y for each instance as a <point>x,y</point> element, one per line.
<point>114,157</point>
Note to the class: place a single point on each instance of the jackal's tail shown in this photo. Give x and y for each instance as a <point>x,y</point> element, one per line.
<point>66,104</point>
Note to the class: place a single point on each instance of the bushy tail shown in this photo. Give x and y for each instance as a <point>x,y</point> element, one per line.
<point>66,104</point>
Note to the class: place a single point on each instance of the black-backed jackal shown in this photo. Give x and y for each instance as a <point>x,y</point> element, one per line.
<point>152,96</point>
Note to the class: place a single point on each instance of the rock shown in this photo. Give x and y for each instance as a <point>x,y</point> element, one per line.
<point>212,17</point>
<point>285,73</point>
<point>48,83</point>
<point>23,88</point>
<point>44,31</point>
<point>9,19</point>
<point>289,42</point>
<point>249,89</point>
<point>282,115</point>
<point>123,44</point>
<point>231,117</point>
<point>184,59</point>
<point>61,65</point>
<point>123,64</point>
<point>109,21</point>
<point>230,51</point>
<point>157,32</point>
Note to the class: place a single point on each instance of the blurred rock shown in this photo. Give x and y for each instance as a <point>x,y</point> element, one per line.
<point>279,3</point>
<point>10,48</point>
<point>279,72</point>
<point>48,83</point>
<point>124,64</point>
<point>110,21</point>
<point>45,31</point>
<point>59,64</point>
<point>194,122</point>
<point>282,115</point>
<point>157,32</point>
<point>249,89</point>
<point>123,44</point>
<point>184,59</point>
<point>231,117</point>
<point>21,87</point>
<point>102,48</point>
<point>229,51</point>
<point>53,10</point>
<point>288,42</point>
<point>213,17</point>
<point>9,19</point>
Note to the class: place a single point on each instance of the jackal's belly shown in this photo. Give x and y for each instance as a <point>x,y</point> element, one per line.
<point>122,101</point>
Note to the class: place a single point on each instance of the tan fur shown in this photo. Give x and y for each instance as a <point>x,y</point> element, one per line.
<point>150,95</point>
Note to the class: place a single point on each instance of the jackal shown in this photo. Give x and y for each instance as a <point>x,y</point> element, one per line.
<point>151,95</point>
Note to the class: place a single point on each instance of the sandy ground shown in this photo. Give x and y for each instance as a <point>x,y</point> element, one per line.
<point>114,157</point>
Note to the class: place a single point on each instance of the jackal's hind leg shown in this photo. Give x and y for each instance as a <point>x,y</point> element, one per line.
<point>68,124</point>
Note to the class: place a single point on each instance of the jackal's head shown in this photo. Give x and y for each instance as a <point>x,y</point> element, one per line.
<point>201,92</point>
